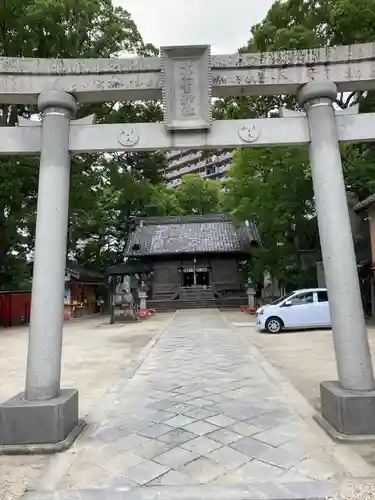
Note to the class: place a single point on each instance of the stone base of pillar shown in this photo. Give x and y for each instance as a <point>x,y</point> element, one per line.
<point>347,414</point>
<point>52,425</point>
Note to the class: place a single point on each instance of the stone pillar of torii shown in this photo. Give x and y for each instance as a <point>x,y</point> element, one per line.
<point>44,416</point>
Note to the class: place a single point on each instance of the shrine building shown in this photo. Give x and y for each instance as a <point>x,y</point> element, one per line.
<point>193,261</point>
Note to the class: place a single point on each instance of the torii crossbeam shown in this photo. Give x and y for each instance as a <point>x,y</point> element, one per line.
<point>103,80</point>
<point>104,138</point>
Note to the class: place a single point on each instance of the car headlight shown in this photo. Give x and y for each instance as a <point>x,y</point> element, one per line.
<point>260,312</point>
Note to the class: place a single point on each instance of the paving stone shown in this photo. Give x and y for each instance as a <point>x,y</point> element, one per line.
<point>177,436</point>
<point>202,445</point>
<point>250,447</point>
<point>122,484</point>
<point>273,437</point>
<point>214,407</point>
<point>259,471</point>
<point>180,421</point>
<point>228,458</point>
<point>245,429</point>
<point>312,469</point>
<point>176,457</point>
<point>224,436</point>
<point>221,421</point>
<point>133,427</point>
<point>151,450</point>
<point>199,394</point>
<point>265,421</point>
<point>167,386</point>
<point>201,427</point>
<point>200,402</point>
<point>145,472</point>
<point>173,478</point>
<point>160,416</point>
<point>86,475</point>
<point>155,430</point>
<point>181,408</point>
<point>185,390</point>
<point>122,461</point>
<point>200,413</point>
<point>279,457</point>
<point>214,390</point>
<point>229,478</point>
<point>110,435</point>
<point>234,411</point>
<point>163,405</point>
<point>133,441</point>
<point>203,470</point>
<point>182,398</point>
<point>291,476</point>
<point>160,395</point>
<point>143,402</point>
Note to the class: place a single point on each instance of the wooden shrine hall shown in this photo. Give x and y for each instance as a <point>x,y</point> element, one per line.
<point>194,261</point>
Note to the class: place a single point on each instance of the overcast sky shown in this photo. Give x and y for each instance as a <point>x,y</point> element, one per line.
<point>223,24</point>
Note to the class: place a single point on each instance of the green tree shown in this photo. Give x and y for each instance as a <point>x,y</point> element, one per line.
<point>199,196</point>
<point>300,24</point>
<point>287,227</point>
<point>61,28</point>
<point>274,188</point>
<point>164,201</point>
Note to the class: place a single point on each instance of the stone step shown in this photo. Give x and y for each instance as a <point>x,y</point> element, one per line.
<point>174,305</point>
<point>269,490</point>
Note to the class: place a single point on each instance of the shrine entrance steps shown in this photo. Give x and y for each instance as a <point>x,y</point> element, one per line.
<point>192,303</point>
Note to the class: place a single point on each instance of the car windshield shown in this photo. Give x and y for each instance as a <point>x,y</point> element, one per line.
<point>284,297</point>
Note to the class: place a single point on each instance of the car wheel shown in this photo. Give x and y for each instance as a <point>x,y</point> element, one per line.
<point>274,325</point>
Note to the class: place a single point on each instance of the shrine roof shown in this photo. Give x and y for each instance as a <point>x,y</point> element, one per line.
<point>195,234</point>
<point>127,268</point>
<point>82,274</point>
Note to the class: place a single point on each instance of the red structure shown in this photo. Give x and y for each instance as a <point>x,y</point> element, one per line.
<point>14,308</point>
<point>15,305</point>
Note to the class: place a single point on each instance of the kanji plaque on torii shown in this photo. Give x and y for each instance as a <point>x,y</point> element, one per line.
<point>187,81</point>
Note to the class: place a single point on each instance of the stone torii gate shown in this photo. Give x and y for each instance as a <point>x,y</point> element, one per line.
<point>45,417</point>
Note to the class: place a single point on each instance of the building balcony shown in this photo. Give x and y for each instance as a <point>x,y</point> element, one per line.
<point>201,166</point>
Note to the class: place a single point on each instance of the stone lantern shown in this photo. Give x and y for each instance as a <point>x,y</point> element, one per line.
<point>142,295</point>
<point>250,292</point>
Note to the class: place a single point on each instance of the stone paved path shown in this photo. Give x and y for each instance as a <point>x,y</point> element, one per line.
<point>200,410</point>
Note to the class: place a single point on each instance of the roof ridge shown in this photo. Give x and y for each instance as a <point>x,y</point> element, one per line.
<point>183,219</point>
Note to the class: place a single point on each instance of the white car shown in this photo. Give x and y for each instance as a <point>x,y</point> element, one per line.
<point>307,308</point>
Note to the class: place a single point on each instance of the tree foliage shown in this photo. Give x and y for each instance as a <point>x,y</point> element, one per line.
<point>275,186</point>
<point>63,28</point>
<point>198,196</point>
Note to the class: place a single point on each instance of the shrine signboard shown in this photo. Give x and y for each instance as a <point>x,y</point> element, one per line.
<point>186,78</point>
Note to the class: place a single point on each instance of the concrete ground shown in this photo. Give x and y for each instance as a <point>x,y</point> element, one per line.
<point>93,354</point>
<point>305,358</point>
<point>204,415</point>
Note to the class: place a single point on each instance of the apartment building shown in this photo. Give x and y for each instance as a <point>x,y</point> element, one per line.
<point>190,161</point>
